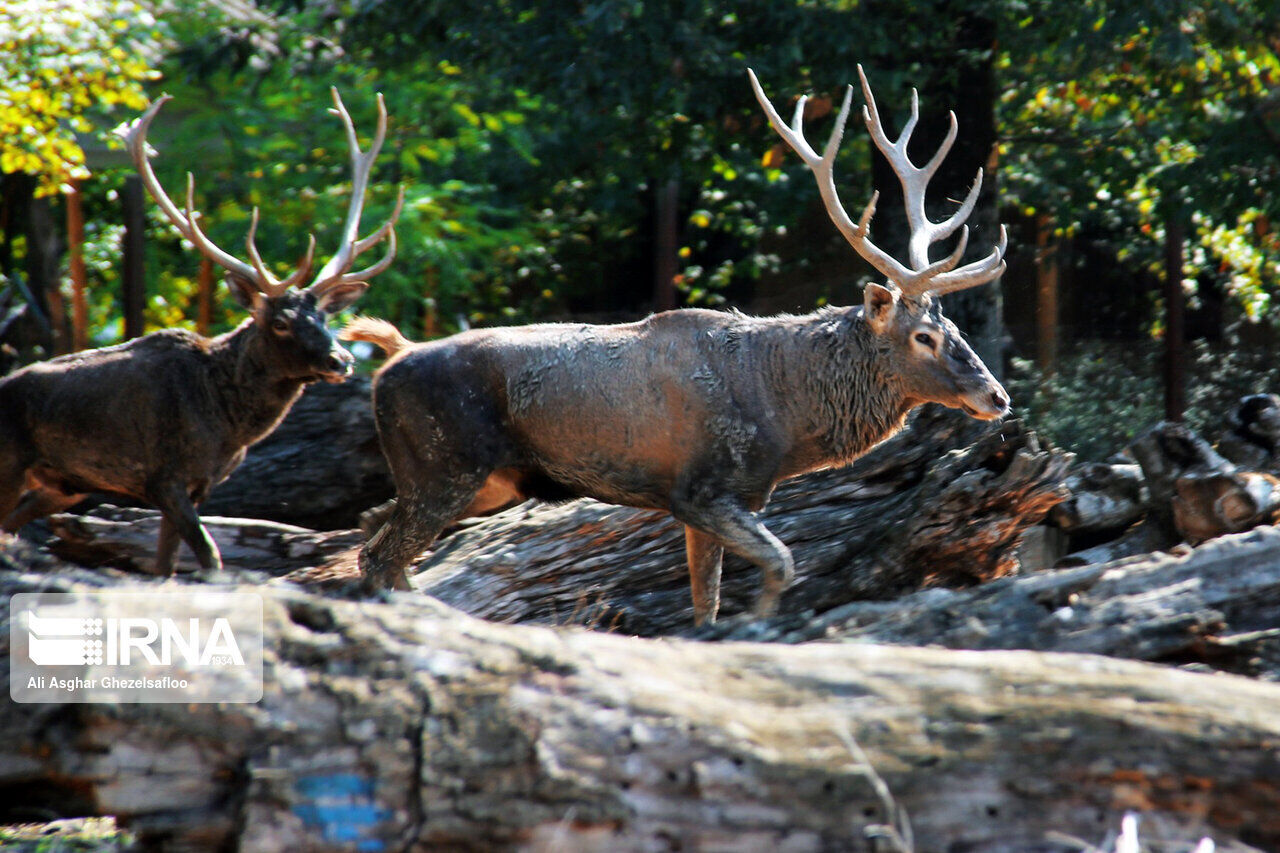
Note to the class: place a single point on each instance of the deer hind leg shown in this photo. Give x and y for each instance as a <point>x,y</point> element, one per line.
<point>705,556</point>
<point>180,513</point>
<point>738,530</point>
<point>418,517</point>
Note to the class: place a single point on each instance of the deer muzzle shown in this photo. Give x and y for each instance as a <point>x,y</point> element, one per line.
<point>987,404</point>
<point>338,365</point>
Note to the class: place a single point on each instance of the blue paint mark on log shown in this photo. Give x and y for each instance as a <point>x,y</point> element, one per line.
<point>342,806</point>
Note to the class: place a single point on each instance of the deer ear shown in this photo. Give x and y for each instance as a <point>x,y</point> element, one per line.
<point>341,296</point>
<point>879,305</point>
<point>245,292</point>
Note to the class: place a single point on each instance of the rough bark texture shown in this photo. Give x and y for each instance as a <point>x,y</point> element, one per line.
<point>917,510</point>
<point>406,725</point>
<point>1252,438</point>
<point>321,467</point>
<point>1216,606</point>
<point>1103,499</point>
<point>1195,491</point>
<point>125,538</point>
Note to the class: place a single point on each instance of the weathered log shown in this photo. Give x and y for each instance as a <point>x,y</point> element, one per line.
<point>1103,498</point>
<point>125,537</point>
<point>320,469</point>
<point>942,503</point>
<point>1217,605</point>
<point>1252,439</point>
<point>407,725</point>
<point>1197,493</point>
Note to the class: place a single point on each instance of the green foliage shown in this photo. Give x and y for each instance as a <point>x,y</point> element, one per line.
<point>1104,394</point>
<point>1100,398</point>
<point>64,65</point>
<point>257,132</point>
<point>1121,114</point>
<point>652,92</point>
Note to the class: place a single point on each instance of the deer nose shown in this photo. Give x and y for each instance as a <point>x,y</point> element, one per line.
<point>339,362</point>
<point>999,400</point>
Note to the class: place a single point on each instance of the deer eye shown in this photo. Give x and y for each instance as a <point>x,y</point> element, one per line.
<point>925,340</point>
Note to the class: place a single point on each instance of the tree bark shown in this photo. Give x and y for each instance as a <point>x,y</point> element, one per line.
<point>133,277</point>
<point>1175,373</point>
<point>125,538</point>
<point>320,469</point>
<point>407,725</point>
<point>917,510</point>
<point>76,268</point>
<point>1215,606</point>
<point>1195,492</point>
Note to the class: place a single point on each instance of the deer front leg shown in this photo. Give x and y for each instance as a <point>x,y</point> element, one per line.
<point>176,508</point>
<point>738,529</point>
<point>166,547</point>
<point>705,556</point>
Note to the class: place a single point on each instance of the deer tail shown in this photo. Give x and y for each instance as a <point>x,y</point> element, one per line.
<point>375,331</point>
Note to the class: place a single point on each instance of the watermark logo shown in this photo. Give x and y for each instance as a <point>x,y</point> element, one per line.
<point>64,640</point>
<point>194,645</point>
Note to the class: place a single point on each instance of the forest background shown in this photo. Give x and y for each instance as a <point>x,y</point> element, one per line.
<point>599,160</point>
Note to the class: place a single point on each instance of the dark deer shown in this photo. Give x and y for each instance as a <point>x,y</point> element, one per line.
<point>697,412</point>
<point>166,417</point>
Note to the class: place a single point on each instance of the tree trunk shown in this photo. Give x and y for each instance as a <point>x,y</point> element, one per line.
<point>406,725</point>
<point>666,243</point>
<point>1046,297</point>
<point>1175,378</point>
<point>76,269</point>
<point>133,276</point>
<point>907,514</point>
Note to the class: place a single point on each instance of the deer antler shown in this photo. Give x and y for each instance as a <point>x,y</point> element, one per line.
<point>921,276</point>
<point>135,138</point>
<point>335,271</point>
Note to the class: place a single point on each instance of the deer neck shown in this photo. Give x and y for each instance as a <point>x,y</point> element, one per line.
<point>842,393</point>
<point>253,390</point>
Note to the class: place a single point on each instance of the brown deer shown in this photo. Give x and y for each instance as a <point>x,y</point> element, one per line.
<point>165,417</point>
<point>696,412</point>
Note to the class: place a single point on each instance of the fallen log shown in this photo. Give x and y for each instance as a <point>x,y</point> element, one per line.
<point>407,725</point>
<point>1252,438</point>
<point>125,538</point>
<point>1195,492</point>
<point>319,469</point>
<point>1103,498</point>
<point>944,502</point>
<point>1215,606</point>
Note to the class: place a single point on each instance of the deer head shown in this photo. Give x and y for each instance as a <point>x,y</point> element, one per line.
<point>930,361</point>
<point>290,317</point>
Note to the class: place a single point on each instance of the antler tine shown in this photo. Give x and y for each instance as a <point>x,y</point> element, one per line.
<point>974,274</point>
<point>915,182</point>
<point>135,138</point>
<point>388,229</point>
<point>823,171</point>
<point>267,282</point>
<point>385,228</point>
<point>335,270</point>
